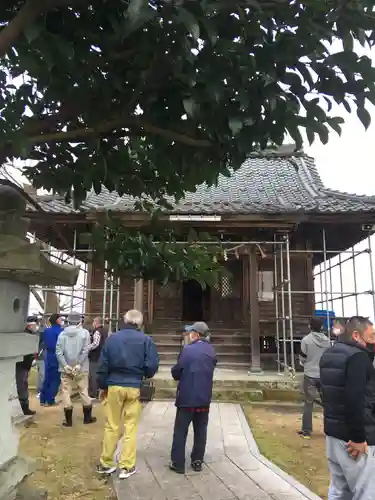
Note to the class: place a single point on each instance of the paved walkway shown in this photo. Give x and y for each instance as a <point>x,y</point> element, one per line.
<point>234,469</point>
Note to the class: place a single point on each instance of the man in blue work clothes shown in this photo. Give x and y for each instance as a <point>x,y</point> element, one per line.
<point>51,381</point>
<point>194,372</point>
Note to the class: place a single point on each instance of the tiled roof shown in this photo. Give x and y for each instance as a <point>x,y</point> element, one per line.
<point>268,184</point>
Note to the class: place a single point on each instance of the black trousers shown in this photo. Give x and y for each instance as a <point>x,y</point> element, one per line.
<point>184,417</point>
<point>93,384</point>
<point>22,383</point>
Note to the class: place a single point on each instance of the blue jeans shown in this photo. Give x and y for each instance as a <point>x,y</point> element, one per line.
<point>51,384</point>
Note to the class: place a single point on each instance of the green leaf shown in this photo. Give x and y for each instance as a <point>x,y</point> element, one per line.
<point>364,116</point>
<point>136,8</point>
<point>335,123</point>
<point>189,20</point>
<point>189,106</point>
<point>322,132</point>
<point>235,124</point>
<point>310,135</point>
<point>32,32</point>
<point>295,134</point>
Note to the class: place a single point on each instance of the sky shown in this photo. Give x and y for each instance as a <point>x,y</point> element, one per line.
<point>346,163</point>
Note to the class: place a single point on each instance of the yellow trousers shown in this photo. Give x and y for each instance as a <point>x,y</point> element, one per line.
<point>123,408</point>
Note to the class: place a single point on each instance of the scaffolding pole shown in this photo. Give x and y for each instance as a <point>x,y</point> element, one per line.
<point>118,303</point>
<point>283,322</point>
<point>74,263</point>
<point>110,302</point>
<point>371,275</point>
<point>290,310</point>
<point>341,287</point>
<point>355,283</point>
<point>275,272</point>
<point>104,307</point>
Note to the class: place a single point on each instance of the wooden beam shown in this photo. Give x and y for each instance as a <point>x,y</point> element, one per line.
<point>254,312</point>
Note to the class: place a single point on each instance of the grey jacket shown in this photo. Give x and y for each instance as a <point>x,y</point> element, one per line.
<point>72,348</point>
<point>312,348</point>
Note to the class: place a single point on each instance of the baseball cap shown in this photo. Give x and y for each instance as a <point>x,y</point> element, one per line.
<point>199,327</point>
<point>74,318</point>
<point>30,320</point>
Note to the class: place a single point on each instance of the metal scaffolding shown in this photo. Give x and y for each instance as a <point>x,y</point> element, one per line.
<point>73,299</point>
<point>338,284</point>
<point>330,293</point>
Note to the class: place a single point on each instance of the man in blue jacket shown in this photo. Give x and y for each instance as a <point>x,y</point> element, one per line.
<point>127,357</point>
<point>194,372</point>
<point>51,381</point>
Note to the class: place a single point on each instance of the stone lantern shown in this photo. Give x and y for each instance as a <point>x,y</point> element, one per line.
<point>21,264</point>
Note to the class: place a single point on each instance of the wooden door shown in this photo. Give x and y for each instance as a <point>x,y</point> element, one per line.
<point>227,295</point>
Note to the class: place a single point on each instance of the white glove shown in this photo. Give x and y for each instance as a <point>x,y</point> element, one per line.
<point>68,370</point>
<point>76,370</point>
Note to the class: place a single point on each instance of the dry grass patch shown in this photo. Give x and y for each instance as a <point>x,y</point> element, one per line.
<point>66,457</point>
<point>275,433</point>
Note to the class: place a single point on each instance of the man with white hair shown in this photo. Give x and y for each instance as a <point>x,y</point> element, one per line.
<point>72,351</point>
<point>128,356</point>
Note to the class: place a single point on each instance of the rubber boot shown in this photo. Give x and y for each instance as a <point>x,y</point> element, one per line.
<point>68,417</point>
<point>26,409</point>
<point>87,418</point>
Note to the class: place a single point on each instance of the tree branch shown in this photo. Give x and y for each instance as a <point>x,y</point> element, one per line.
<point>78,134</point>
<point>26,16</point>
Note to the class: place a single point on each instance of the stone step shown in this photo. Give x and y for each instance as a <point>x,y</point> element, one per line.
<point>217,331</point>
<point>243,382</point>
<point>217,395</point>
<point>232,348</point>
<point>222,357</point>
<point>239,395</point>
<point>232,365</point>
<point>215,338</point>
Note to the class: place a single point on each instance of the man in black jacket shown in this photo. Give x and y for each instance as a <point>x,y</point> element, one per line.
<point>347,380</point>
<point>23,369</point>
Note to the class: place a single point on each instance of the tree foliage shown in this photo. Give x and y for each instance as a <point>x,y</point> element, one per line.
<point>158,253</point>
<point>154,97</point>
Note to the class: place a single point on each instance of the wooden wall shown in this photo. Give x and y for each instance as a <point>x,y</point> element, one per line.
<point>302,303</point>
<point>167,301</point>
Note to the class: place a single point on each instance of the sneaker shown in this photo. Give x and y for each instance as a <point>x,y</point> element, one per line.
<point>125,473</point>
<point>304,434</point>
<point>105,471</point>
<point>175,468</point>
<point>197,465</point>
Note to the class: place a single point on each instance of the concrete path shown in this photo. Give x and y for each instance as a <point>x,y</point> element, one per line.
<point>234,468</point>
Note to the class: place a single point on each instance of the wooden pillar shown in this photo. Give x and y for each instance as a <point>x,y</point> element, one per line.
<point>150,302</point>
<point>245,290</point>
<point>138,295</point>
<point>254,312</point>
<point>88,292</point>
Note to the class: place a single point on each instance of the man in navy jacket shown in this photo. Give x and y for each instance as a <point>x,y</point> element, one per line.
<point>194,372</point>
<point>127,357</point>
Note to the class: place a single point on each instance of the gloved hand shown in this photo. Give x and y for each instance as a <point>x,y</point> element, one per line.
<point>76,370</point>
<point>68,370</point>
